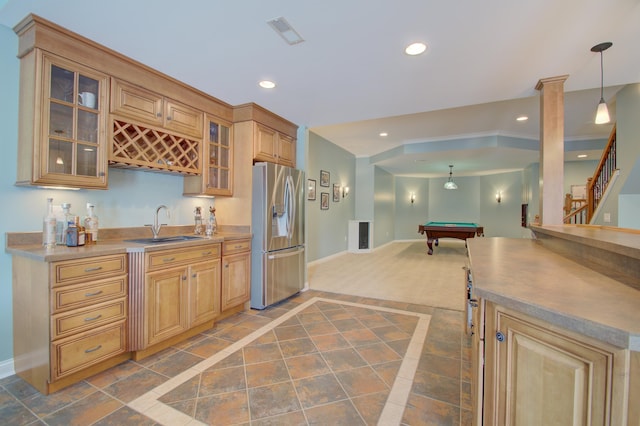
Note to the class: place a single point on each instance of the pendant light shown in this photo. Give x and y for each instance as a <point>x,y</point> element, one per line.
<point>602,114</point>
<point>450,184</point>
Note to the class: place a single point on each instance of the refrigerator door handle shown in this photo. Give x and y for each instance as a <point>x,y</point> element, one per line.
<point>286,254</point>
<point>291,205</point>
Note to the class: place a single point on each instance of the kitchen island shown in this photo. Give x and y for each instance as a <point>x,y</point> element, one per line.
<point>556,327</point>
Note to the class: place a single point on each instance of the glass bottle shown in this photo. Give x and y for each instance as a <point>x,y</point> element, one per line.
<point>91,225</point>
<point>49,226</point>
<point>198,221</point>
<point>82,236</point>
<point>62,223</point>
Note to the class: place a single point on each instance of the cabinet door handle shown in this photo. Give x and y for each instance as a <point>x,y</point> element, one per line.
<point>97,268</point>
<point>87,351</point>
<point>500,336</point>
<point>226,265</point>
<point>169,118</point>
<point>95,293</point>
<point>184,278</point>
<point>93,319</point>
<point>159,114</point>
<point>168,259</point>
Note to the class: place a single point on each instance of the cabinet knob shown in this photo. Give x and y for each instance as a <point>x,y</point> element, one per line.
<point>184,278</point>
<point>500,336</point>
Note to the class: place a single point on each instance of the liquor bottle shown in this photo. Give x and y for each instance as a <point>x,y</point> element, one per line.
<point>82,235</point>
<point>91,225</point>
<point>49,226</point>
<point>62,224</point>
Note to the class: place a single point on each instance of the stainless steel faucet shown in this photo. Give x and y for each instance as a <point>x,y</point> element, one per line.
<point>155,228</point>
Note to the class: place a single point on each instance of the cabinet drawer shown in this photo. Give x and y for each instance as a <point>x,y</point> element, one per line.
<point>78,352</point>
<point>68,323</point>
<point>162,259</point>
<point>84,294</point>
<point>236,246</point>
<point>89,268</point>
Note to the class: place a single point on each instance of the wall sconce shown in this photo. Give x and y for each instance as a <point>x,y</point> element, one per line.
<point>345,191</point>
<point>412,197</point>
<point>499,196</point>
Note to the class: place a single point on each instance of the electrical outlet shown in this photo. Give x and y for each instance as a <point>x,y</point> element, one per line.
<point>607,218</point>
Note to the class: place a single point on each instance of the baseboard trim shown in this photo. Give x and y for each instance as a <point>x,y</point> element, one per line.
<point>7,368</point>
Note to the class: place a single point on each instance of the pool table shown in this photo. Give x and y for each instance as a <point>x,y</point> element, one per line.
<point>459,230</point>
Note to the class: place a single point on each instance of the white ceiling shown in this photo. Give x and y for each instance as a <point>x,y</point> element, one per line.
<point>350,79</point>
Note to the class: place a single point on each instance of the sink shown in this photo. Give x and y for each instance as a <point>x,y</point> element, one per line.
<point>159,240</point>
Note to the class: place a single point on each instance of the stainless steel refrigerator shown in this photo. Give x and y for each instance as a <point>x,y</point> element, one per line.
<point>277,259</point>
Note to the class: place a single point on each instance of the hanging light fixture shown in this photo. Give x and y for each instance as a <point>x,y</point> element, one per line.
<point>602,114</point>
<point>450,184</point>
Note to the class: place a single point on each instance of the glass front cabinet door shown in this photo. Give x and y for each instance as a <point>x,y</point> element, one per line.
<point>69,133</point>
<point>217,155</point>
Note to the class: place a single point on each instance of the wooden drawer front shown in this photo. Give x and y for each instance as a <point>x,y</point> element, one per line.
<point>135,102</point>
<point>236,246</point>
<point>78,352</point>
<point>68,323</point>
<point>80,295</point>
<point>162,259</point>
<point>89,268</point>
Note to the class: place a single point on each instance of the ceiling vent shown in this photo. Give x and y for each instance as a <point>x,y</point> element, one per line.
<point>286,31</point>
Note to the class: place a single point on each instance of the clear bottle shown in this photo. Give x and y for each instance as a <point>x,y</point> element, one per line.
<point>81,232</point>
<point>49,226</point>
<point>63,224</point>
<point>213,223</point>
<point>91,225</point>
<point>198,221</point>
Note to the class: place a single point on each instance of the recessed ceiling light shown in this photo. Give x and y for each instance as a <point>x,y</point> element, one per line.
<point>415,49</point>
<point>582,155</point>
<point>266,84</point>
<point>383,134</point>
<point>522,118</point>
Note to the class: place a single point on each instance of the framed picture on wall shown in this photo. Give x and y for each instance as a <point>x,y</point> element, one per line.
<point>336,192</point>
<point>324,201</point>
<point>311,189</point>
<point>324,178</point>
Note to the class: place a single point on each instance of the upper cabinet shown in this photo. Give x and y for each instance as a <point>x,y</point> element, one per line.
<point>217,156</point>
<point>63,122</point>
<point>138,104</point>
<point>273,138</point>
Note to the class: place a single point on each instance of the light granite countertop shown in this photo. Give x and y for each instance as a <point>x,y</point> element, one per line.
<point>523,275</point>
<point>113,242</point>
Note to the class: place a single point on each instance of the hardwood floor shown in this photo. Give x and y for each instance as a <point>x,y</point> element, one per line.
<point>317,358</point>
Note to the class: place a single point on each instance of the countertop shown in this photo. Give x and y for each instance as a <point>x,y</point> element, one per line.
<point>523,275</point>
<point>29,244</point>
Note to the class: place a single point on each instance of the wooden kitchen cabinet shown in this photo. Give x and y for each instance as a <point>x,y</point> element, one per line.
<point>181,292</point>
<point>535,373</point>
<point>62,123</point>
<point>138,104</point>
<point>272,146</point>
<point>236,273</point>
<point>217,157</point>
<point>273,138</point>
<point>70,318</point>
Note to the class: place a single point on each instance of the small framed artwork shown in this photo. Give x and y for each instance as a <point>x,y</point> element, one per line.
<point>324,178</point>
<point>311,189</point>
<point>324,201</point>
<point>336,192</point>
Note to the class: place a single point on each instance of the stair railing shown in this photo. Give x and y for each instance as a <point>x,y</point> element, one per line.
<point>597,184</point>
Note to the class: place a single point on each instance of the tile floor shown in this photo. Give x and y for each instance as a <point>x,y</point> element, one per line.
<point>318,358</point>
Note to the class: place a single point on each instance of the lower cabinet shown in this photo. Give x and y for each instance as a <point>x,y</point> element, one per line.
<point>69,318</point>
<point>181,291</point>
<point>539,374</point>
<point>236,273</point>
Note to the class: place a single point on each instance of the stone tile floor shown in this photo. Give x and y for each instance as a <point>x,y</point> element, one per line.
<point>317,358</point>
